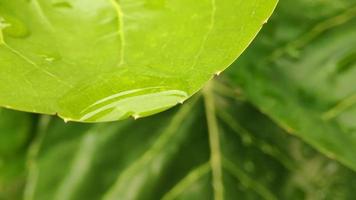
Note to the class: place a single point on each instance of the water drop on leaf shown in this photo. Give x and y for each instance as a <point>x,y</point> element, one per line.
<point>13,27</point>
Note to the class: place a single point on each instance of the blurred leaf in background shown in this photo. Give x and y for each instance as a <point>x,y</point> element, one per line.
<point>306,82</point>
<point>218,148</point>
<point>15,128</point>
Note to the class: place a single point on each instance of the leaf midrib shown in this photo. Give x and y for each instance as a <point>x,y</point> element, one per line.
<point>120,31</point>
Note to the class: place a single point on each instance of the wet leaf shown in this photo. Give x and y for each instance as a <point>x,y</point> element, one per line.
<point>107,60</point>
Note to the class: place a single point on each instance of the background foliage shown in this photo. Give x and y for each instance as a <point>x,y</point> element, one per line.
<point>279,124</point>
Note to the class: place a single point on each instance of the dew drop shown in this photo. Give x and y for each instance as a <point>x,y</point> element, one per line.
<point>148,94</point>
<point>62,4</point>
<point>124,103</point>
<point>51,57</point>
<point>217,73</point>
<point>265,21</point>
<point>13,27</point>
<point>136,116</point>
<point>3,23</point>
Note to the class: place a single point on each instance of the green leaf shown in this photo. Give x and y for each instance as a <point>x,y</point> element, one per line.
<point>307,84</point>
<point>209,149</point>
<point>14,131</point>
<point>107,60</point>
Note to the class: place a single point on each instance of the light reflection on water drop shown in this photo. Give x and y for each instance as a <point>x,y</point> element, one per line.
<point>3,23</point>
<point>125,104</point>
<point>50,58</point>
<point>13,27</point>
<point>62,4</point>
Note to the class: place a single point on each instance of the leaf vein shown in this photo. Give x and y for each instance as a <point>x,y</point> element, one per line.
<point>120,31</point>
<point>207,35</point>
<point>42,15</point>
<point>31,62</point>
<point>187,181</point>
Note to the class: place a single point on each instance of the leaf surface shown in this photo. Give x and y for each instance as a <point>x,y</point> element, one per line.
<point>106,60</point>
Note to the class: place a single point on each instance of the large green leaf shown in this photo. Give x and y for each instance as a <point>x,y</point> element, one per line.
<point>181,155</point>
<point>104,60</point>
<point>307,84</point>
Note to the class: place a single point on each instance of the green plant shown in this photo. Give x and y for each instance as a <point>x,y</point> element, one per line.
<point>112,60</point>
<point>278,124</point>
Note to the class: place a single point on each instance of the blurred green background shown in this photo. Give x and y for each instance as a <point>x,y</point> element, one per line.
<point>279,124</point>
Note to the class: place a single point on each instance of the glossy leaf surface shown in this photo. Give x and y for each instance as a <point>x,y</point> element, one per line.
<point>107,60</point>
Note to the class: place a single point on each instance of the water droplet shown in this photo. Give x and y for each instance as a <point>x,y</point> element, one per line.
<point>123,93</point>
<point>136,116</point>
<point>51,57</point>
<point>138,103</point>
<point>3,23</point>
<point>62,4</point>
<point>217,73</point>
<point>13,27</point>
<point>265,21</point>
